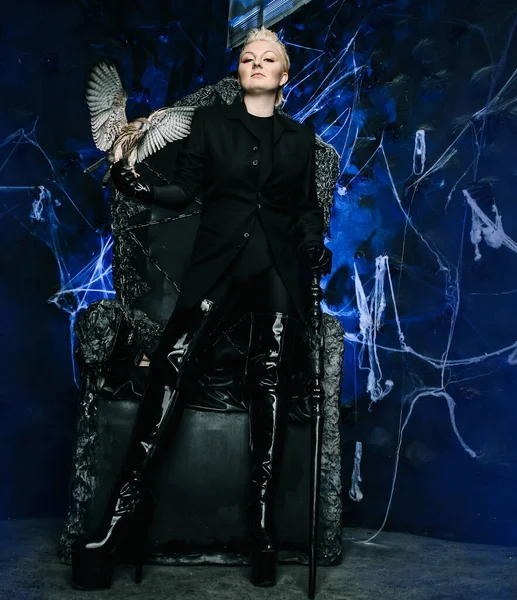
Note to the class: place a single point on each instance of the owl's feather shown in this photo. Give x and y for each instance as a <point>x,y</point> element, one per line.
<point>165,125</point>
<point>106,100</point>
<point>135,141</point>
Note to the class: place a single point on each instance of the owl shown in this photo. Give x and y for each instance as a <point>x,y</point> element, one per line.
<point>135,141</point>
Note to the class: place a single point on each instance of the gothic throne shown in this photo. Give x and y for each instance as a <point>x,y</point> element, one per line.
<point>202,484</point>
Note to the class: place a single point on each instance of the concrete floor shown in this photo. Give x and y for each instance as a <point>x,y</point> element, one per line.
<point>394,567</point>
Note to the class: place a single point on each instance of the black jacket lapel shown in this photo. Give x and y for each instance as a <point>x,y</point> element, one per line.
<point>237,112</point>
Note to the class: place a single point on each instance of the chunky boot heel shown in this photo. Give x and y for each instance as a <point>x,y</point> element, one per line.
<point>92,569</point>
<point>139,570</point>
<point>139,549</point>
<point>121,538</point>
<point>263,567</point>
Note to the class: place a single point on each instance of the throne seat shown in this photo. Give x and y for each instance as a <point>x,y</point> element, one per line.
<point>201,486</point>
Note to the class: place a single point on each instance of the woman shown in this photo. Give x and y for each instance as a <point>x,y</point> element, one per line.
<point>260,228</point>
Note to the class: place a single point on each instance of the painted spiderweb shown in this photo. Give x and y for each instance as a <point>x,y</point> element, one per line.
<point>420,102</point>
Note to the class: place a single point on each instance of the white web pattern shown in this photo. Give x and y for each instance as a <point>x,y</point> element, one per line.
<point>376,301</point>
<point>346,131</point>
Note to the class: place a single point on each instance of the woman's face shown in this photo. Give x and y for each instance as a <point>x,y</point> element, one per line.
<point>261,69</point>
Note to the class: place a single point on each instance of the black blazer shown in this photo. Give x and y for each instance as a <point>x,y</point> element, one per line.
<point>221,159</point>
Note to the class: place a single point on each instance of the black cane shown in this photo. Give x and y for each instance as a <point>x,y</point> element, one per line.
<point>317,396</point>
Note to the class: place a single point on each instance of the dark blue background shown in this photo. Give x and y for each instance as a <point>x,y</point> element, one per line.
<point>368,75</point>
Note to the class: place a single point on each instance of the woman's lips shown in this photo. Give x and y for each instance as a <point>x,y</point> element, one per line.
<point>258,74</point>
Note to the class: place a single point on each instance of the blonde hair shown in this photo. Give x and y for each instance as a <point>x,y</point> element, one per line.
<point>267,35</point>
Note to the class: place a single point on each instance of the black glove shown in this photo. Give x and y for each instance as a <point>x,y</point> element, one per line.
<point>319,257</point>
<point>171,196</point>
<point>129,185</point>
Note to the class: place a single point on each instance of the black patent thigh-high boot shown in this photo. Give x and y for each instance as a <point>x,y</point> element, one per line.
<point>122,534</point>
<point>272,346</point>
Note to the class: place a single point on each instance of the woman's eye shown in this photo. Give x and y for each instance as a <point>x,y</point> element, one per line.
<point>246,60</point>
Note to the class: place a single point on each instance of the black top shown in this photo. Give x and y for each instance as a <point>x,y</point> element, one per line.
<point>262,127</point>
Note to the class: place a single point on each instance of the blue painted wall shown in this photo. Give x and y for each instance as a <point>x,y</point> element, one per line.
<point>419,99</point>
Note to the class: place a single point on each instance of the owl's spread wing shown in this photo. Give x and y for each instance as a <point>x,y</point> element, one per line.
<point>106,100</point>
<point>166,125</point>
